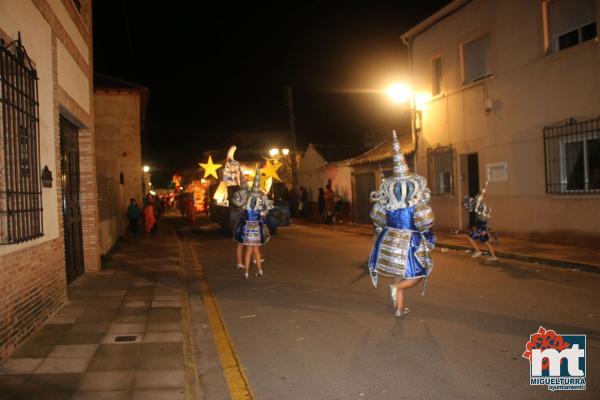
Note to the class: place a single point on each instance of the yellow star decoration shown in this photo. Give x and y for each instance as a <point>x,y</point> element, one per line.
<point>270,169</point>
<point>210,169</point>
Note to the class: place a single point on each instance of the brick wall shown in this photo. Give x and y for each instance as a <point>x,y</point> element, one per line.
<point>118,151</point>
<point>33,287</point>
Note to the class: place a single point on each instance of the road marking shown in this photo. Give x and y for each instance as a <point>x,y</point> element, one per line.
<point>239,387</point>
<point>192,384</point>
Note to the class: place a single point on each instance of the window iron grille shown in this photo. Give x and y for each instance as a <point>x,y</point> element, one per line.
<point>572,156</point>
<point>20,185</point>
<point>440,170</point>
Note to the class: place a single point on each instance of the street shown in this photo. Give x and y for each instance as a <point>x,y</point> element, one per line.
<point>314,327</point>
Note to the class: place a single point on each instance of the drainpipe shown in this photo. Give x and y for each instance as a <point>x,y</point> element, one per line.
<point>415,136</point>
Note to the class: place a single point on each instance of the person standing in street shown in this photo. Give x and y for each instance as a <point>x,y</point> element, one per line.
<point>321,202</point>
<point>403,219</point>
<point>133,214</point>
<point>302,202</point>
<point>150,215</point>
<point>252,230</point>
<point>329,204</point>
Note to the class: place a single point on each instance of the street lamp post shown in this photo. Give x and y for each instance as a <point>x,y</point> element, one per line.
<point>290,103</point>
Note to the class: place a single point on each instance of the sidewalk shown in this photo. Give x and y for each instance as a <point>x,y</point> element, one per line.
<point>584,258</point>
<point>121,336</point>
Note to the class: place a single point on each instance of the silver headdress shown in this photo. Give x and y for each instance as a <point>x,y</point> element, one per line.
<point>256,183</point>
<point>253,198</point>
<point>402,189</point>
<point>476,204</point>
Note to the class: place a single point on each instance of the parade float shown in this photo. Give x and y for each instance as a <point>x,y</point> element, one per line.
<point>235,175</point>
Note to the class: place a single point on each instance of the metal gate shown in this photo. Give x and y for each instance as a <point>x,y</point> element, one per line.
<point>365,184</point>
<point>69,150</point>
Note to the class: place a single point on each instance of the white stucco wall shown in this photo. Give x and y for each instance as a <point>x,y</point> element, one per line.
<point>529,89</point>
<point>309,172</point>
<point>67,22</point>
<point>341,179</point>
<point>72,79</point>
<point>23,16</point>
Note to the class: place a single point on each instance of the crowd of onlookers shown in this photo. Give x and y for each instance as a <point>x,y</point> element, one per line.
<point>148,214</point>
<point>330,205</point>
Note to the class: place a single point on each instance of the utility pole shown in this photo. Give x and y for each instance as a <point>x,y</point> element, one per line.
<point>293,152</point>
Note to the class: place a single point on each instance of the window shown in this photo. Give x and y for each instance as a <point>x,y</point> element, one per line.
<point>476,63</point>
<point>437,83</point>
<point>572,151</point>
<point>439,169</point>
<point>20,184</point>
<point>571,22</point>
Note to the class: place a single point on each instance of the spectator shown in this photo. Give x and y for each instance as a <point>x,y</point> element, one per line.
<point>321,201</point>
<point>150,215</point>
<point>302,201</point>
<point>329,198</point>
<point>133,214</point>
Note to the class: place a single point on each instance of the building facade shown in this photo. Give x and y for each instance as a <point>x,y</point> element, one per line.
<point>120,109</point>
<point>48,204</point>
<point>509,93</point>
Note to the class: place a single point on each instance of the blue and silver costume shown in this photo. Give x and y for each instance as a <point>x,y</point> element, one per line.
<point>479,231</point>
<point>252,230</point>
<point>403,219</point>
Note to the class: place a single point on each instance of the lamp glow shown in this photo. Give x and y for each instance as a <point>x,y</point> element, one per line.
<point>146,168</point>
<point>273,152</point>
<point>399,93</point>
<point>285,152</point>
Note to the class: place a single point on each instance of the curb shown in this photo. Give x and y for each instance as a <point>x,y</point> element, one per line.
<point>574,265</point>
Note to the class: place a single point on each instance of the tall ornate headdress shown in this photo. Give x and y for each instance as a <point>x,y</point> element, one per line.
<point>403,189</point>
<point>256,183</point>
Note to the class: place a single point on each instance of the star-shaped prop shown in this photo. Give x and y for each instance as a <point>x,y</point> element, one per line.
<point>270,169</point>
<point>210,169</point>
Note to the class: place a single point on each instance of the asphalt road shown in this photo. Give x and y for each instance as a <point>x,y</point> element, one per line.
<point>313,327</point>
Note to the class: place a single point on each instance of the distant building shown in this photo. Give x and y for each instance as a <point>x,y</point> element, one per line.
<point>120,108</point>
<point>48,194</point>
<point>369,168</point>
<point>323,164</point>
<point>514,98</point>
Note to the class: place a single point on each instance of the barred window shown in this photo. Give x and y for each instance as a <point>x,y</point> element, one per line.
<point>20,185</point>
<point>572,154</point>
<point>439,169</point>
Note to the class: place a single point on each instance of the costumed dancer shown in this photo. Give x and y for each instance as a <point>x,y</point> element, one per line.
<point>403,219</point>
<point>479,231</point>
<point>252,231</point>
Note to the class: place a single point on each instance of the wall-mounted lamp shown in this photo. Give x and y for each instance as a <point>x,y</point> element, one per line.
<point>46,177</point>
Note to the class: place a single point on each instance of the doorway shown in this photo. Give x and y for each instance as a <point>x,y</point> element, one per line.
<point>472,180</point>
<point>69,168</point>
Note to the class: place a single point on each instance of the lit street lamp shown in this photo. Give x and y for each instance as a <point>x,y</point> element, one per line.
<point>146,168</point>
<point>399,93</point>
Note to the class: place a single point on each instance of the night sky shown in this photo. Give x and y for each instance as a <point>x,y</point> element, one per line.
<point>213,72</point>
